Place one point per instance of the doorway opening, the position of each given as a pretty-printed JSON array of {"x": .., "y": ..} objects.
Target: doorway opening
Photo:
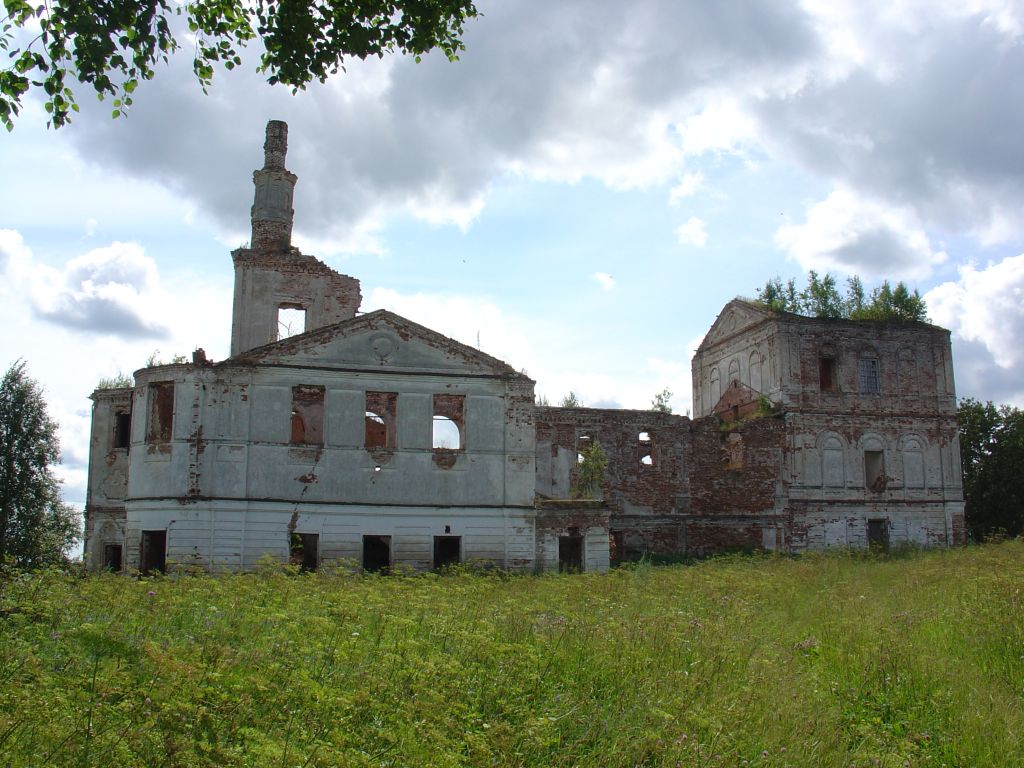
[
  {"x": 447, "y": 550},
  {"x": 570, "y": 554},
  {"x": 154, "y": 552},
  {"x": 376, "y": 553},
  {"x": 304, "y": 551}
]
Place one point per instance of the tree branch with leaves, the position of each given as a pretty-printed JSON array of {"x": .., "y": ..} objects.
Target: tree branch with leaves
[{"x": 111, "y": 46}]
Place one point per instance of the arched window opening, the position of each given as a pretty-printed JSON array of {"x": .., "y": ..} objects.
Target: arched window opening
[{"x": 447, "y": 435}]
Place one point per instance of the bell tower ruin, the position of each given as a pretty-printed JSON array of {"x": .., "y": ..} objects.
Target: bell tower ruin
[{"x": 272, "y": 275}]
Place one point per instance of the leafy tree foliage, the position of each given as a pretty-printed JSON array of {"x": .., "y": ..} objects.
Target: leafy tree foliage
[
  {"x": 36, "y": 529},
  {"x": 992, "y": 452},
  {"x": 590, "y": 471},
  {"x": 113, "y": 45},
  {"x": 570, "y": 401},
  {"x": 821, "y": 298},
  {"x": 660, "y": 401}
]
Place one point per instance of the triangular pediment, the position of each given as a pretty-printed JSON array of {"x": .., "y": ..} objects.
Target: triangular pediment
[
  {"x": 379, "y": 340},
  {"x": 736, "y": 316}
]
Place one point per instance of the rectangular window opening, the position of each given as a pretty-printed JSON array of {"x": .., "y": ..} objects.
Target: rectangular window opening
[
  {"x": 827, "y": 374},
  {"x": 874, "y": 470},
  {"x": 570, "y": 554},
  {"x": 291, "y": 320},
  {"x": 112, "y": 558},
  {"x": 153, "y": 557},
  {"x": 122, "y": 429},
  {"x": 161, "y": 412},
  {"x": 376, "y": 553},
  {"x": 307, "y": 415},
  {"x": 304, "y": 550},
  {"x": 867, "y": 370},
  {"x": 447, "y": 551}
]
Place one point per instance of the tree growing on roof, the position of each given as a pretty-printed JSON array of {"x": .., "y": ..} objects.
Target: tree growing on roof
[
  {"x": 821, "y": 298},
  {"x": 36, "y": 528}
]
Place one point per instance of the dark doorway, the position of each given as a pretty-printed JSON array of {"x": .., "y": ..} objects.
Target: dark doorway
[
  {"x": 305, "y": 551},
  {"x": 447, "y": 550},
  {"x": 154, "y": 552},
  {"x": 376, "y": 553},
  {"x": 112, "y": 557},
  {"x": 570, "y": 554},
  {"x": 878, "y": 534}
]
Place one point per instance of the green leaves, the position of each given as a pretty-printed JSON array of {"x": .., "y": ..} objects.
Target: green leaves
[
  {"x": 821, "y": 298},
  {"x": 112, "y": 45}
]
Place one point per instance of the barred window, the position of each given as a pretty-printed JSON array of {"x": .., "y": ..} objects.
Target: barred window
[{"x": 868, "y": 376}]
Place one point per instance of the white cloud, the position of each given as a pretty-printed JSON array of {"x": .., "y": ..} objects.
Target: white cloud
[
  {"x": 607, "y": 281},
  {"x": 686, "y": 187},
  {"x": 986, "y": 306},
  {"x": 692, "y": 233},
  {"x": 851, "y": 234},
  {"x": 115, "y": 281}
]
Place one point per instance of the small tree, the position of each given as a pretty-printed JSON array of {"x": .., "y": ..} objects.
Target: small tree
[
  {"x": 570, "y": 401},
  {"x": 821, "y": 298},
  {"x": 36, "y": 528},
  {"x": 590, "y": 471},
  {"x": 660, "y": 401}
]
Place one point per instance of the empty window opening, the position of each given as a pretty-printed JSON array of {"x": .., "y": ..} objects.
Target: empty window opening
[
  {"x": 304, "y": 550},
  {"x": 647, "y": 460},
  {"x": 161, "y": 411},
  {"x": 448, "y": 422},
  {"x": 122, "y": 429},
  {"x": 112, "y": 555},
  {"x": 447, "y": 550},
  {"x": 307, "y": 415},
  {"x": 827, "y": 374},
  {"x": 446, "y": 434},
  {"x": 878, "y": 533},
  {"x": 867, "y": 376},
  {"x": 874, "y": 470},
  {"x": 376, "y": 553},
  {"x": 579, "y": 458},
  {"x": 644, "y": 437},
  {"x": 291, "y": 320},
  {"x": 570, "y": 554},
  {"x": 381, "y": 417},
  {"x": 153, "y": 557}
]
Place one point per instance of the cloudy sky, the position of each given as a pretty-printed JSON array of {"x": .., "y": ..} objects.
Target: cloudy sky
[{"x": 581, "y": 193}]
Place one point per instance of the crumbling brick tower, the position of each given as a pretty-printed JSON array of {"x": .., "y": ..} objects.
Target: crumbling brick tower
[{"x": 271, "y": 274}]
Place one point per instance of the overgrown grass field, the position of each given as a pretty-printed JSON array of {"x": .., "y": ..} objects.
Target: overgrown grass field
[{"x": 830, "y": 660}]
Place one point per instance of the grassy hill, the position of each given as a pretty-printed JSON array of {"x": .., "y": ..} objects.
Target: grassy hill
[{"x": 830, "y": 660}]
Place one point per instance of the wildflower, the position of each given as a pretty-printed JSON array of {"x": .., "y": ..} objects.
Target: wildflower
[{"x": 151, "y": 593}]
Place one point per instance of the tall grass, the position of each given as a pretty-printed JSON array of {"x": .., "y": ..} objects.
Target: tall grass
[{"x": 830, "y": 660}]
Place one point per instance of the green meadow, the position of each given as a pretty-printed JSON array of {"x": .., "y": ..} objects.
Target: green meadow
[{"x": 844, "y": 659}]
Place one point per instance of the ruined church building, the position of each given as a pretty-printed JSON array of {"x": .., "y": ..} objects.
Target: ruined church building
[{"x": 370, "y": 439}]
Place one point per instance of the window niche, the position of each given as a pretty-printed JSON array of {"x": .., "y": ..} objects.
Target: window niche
[
  {"x": 827, "y": 374},
  {"x": 381, "y": 419},
  {"x": 291, "y": 320},
  {"x": 161, "y": 412},
  {"x": 874, "y": 470},
  {"x": 448, "y": 429},
  {"x": 307, "y": 415},
  {"x": 122, "y": 430}
]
